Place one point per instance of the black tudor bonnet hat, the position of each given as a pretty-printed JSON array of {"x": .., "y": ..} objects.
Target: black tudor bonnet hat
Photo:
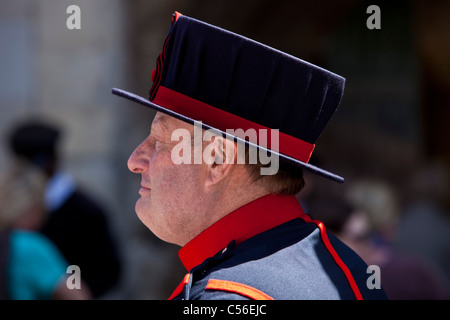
[{"x": 227, "y": 81}]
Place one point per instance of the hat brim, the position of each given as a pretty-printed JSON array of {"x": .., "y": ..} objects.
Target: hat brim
[{"x": 148, "y": 103}]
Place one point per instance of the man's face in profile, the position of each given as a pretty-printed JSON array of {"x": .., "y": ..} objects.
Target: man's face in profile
[{"x": 170, "y": 193}]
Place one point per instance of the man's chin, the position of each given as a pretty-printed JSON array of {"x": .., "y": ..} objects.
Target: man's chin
[
  {"x": 142, "y": 207},
  {"x": 147, "y": 217}
]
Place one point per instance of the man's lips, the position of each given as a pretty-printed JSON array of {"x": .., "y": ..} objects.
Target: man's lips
[{"x": 144, "y": 190}]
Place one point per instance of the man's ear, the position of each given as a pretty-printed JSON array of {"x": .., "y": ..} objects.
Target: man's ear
[{"x": 220, "y": 156}]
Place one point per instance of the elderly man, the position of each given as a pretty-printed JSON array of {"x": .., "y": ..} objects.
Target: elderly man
[{"x": 243, "y": 233}]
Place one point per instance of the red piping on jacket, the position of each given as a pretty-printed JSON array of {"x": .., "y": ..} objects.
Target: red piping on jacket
[{"x": 335, "y": 256}]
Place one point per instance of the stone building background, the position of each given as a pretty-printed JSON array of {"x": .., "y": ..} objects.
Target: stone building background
[{"x": 392, "y": 120}]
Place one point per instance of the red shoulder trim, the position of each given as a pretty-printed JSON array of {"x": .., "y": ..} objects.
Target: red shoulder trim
[
  {"x": 180, "y": 287},
  {"x": 238, "y": 288},
  {"x": 335, "y": 256}
]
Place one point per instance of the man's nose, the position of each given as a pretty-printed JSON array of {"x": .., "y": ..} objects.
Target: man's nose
[{"x": 138, "y": 161}]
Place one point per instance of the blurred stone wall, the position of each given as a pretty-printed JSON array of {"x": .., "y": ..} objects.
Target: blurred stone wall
[{"x": 65, "y": 77}]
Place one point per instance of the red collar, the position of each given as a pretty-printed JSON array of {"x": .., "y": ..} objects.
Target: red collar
[{"x": 251, "y": 219}]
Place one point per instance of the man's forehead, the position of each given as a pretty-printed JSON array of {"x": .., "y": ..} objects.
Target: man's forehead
[{"x": 167, "y": 122}]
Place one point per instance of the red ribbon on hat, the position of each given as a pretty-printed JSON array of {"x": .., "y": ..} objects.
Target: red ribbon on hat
[{"x": 223, "y": 120}]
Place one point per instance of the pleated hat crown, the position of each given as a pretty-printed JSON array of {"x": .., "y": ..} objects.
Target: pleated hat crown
[{"x": 248, "y": 79}]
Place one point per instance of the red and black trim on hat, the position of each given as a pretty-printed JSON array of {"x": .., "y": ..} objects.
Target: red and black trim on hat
[
  {"x": 157, "y": 73},
  {"x": 224, "y": 121},
  {"x": 289, "y": 159}
]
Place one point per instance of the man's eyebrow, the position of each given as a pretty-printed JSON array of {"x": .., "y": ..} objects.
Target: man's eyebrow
[
  {"x": 160, "y": 124},
  {"x": 160, "y": 119}
]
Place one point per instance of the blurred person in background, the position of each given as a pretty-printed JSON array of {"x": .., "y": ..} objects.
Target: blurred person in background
[
  {"x": 406, "y": 276},
  {"x": 75, "y": 223},
  {"x": 366, "y": 221},
  {"x": 31, "y": 267},
  {"x": 424, "y": 226}
]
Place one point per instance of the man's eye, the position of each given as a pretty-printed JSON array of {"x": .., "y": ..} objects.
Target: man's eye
[{"x": 159, "y": 144}]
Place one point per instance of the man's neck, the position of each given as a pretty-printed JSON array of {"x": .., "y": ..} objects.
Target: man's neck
[
  {"x": 232, "y": 202},
  {"x": 226, "y": 200}
]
